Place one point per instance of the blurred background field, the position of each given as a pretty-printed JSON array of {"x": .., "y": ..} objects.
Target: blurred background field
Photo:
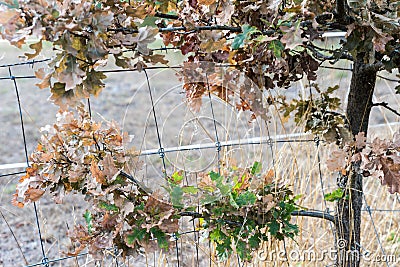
[{"x": 126, "y": 101}]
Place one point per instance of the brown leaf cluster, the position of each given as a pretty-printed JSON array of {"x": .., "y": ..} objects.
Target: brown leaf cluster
[
  {"x": 378, "y": 159},
  {"x": 72, "y": 152},
  {"x": 84, "y": 35},
  {"x": 229, "y": 85},
  {"x": 77, "y": 154},
  {"x": 381, "y": 159}
]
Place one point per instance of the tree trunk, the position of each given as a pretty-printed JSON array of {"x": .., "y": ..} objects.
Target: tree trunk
[{"x": 349, "y": 208}]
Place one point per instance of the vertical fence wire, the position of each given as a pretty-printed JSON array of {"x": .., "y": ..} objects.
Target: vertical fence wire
[
  {"x": 217, "y": 144},
  {"x": 321, "y": 181},
  {"x": 196, "y": 233},
  {"x": 271, "y": 148},
  {"x": 375, "y": 230},
  {"x": 196, "y": 242},
  {"x": 44, "y": 259},
  {"x": 176, "y": 248},
  {"x": 161, "y": 152}
]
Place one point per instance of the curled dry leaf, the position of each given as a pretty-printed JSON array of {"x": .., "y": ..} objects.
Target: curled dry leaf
[
  {"x": 33, "y": 194},
  {"x": 207, "y": 184},
  {"x": 269, "y": 203},
  {"x": 97, "y": 173},
  {"x": 79, "y": 235},
  {"x": 337, "y": 161},
  {"x": 206, "y": 2},
  {"x": 110, "y": 170},
  {"x": 100, "y": 243},
  {"x": 145, "y": 37},
  {"x": 379, "y": 146},
  {"x": 391, "y": 175},
  {"x": 360, "y": 140},
  {"x": 268, "y": 178}
]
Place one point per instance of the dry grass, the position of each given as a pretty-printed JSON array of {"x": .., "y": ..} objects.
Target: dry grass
[{"x": 126, "y": 101}]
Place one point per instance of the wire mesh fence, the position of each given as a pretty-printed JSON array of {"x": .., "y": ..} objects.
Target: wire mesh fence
[{"x": 170, "y": 136}]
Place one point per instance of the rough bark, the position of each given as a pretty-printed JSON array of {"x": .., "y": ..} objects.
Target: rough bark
[
  {"x": 349, "y": 208},
  {"x": 341, "y": 14}
]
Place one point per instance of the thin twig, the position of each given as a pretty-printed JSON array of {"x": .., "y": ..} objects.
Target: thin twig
[
  {"x": 387, "y": 79},
  {"x": 315, "y": 214},
  {"x": 386, "y": 105},
  {"x": 165, "y": 16},
  {"x": 378, "y": 66},
  {"x": 336, "y": 68},
  {"x": 137, "y": 183},
  {"x": 206, "y": 216},
  {"x": 314, "y": 49}
]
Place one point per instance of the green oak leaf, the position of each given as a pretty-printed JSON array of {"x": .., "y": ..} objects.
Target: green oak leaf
[
  {"x": 240, "y": 39},
  {"x": 88, "y": 219}
]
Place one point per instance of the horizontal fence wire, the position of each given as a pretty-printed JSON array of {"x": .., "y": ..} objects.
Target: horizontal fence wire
[
  {"x": 156, "y": 151},
  {"x": 12, "y": 173},
  {"x": 31, "y": 63},
  {"x": 290, "y": 138},
  {"x": 57, "y": 260}
]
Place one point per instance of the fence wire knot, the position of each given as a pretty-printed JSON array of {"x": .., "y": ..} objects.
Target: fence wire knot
[
  {"x": 317, "y": 140},
  {"x": 269, "y": 142},
  {"x": 175, "y": 237},
  {"x": 161, "y": 152},
  {"x": 327, "y": 210},
  {"x": 368, "y": 209},
  {"x": 218, "y": 146},
  {"x": 45, "y": 261}
]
